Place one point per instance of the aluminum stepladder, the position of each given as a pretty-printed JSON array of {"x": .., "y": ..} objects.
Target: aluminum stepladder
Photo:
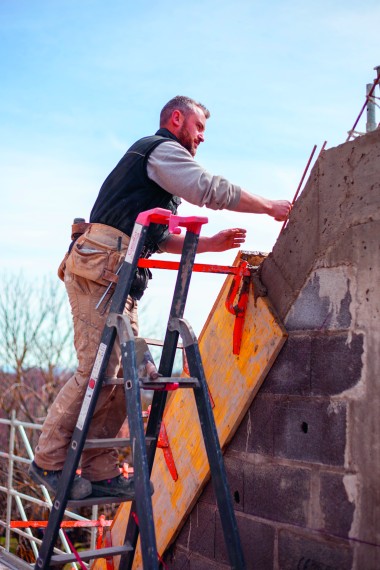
[{"x": 144, "y": 444}]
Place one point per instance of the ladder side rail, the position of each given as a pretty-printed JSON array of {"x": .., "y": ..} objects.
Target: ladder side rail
[
  {"x": 213, "y": 449},
  {"x": 177, "y": 310},
  {"x": 140, "y": 461},
  {"x": 165, "y": 369},
  {"x": 75, "y": 449},
  {"x": 91, "y": 396}
]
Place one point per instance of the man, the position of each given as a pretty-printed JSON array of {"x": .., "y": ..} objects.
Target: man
[{"x": 157, "y": 171}]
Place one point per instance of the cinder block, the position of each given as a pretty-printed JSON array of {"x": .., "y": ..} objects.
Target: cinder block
[
  {"x": 338, "y": 511},
  {"x": 257, "y": 542},
  {"x": 276, "y": 492},
  {"x": 255, "y": 433},
  {"x": 235, "y": 476},
  {"x": 200, "y": 563},
  {"x": 208, "y": 495},
  {"x": 309, "y": 553},
  {"x": 235, "y": 479},
  {"x": 367, "y": 556},
  {"x": 198, "y": 533},
  {"x": 310, "y": 430},
  {"x": 178, "y": 558},
  {"x": 290, "y": 374},
  {"x": 336, "y": 362}
]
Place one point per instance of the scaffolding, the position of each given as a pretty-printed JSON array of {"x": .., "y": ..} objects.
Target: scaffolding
[{"x": 17, "y": 427}]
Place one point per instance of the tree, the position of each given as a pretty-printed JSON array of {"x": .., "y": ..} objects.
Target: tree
[
  {"x": 35, "y": 344},
  {"x": 36, "y": 358}
]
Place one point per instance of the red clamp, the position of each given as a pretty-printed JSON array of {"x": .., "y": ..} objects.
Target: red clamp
[
  {"x": 163, "y": 443},
  {"x": 239, "y": 286}
]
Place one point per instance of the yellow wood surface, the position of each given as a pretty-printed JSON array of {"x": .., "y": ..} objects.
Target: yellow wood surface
[{"x": 233, "y": 382}]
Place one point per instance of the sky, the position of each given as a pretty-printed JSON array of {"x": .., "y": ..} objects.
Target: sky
[{"x": 81, "y": 80}]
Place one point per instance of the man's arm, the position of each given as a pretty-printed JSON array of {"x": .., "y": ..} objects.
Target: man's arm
[
  {"x": 253, "y": 204},
  {"x": 173, "y": 168},
  {"x": 226, "y": 239}
]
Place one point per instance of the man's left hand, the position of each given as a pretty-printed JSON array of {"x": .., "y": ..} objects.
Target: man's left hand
[{"x": 227, "y": 239}]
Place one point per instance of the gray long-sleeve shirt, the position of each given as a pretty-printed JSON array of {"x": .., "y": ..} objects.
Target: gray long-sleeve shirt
[{"x": 173, "y": 168}]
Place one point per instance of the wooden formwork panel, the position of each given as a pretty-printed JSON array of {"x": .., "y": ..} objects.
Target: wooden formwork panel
[{"x": 233, "y": 383}]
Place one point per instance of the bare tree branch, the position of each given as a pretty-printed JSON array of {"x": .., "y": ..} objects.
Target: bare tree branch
[{"x": 36, "y": 349}]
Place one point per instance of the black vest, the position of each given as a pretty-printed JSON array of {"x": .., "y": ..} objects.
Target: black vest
[{"x": 127, "y": 191}]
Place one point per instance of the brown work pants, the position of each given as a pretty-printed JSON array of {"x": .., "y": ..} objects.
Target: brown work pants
[{"x": 110, "y": 411}]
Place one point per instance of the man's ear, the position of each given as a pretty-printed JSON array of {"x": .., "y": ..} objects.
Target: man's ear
[{"x": 177, "y": 118}]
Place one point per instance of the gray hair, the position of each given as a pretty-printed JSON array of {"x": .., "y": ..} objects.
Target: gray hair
[{"x": 183, "y": 104}]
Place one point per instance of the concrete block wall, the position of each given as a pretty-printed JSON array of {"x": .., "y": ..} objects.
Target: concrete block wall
[{"x": 304, "y": 465}]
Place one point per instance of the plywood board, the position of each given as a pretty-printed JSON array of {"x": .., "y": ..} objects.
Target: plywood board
[{"x": 233, "y": 382}]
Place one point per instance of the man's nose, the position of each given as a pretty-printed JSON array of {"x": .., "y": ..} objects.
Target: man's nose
[{"x": 201, "y": 137}]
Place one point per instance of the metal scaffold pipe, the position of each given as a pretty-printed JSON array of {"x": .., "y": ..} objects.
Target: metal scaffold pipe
[{"x": 371, "y": 110}]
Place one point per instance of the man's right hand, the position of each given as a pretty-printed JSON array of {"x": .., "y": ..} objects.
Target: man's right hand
[{"x": 280, "y": 209}]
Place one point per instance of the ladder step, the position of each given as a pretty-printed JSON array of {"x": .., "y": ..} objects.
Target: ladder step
[
  {"x": 85, "y": 555},
  {"x": 92, "y": 501},
  {"x": 111, "y": 442},
  {"x": 171, "y": 383},
  {"x": 168, "y": 383}
]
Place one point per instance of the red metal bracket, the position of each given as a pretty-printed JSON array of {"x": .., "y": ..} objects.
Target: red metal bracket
[
  {"x": 239, "y": 287},
  {"x": 163, "y": 443},
  {"x": 240, "y": 269}
]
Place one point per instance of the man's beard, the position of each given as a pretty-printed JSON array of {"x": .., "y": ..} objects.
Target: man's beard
[{"x": 186, "y": 140}]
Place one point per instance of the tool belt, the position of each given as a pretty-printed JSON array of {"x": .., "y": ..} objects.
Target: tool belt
[{"x": 96, "y": 253}]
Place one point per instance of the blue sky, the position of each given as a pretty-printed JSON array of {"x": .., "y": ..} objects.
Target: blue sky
[{"x": 83, "y": 79}]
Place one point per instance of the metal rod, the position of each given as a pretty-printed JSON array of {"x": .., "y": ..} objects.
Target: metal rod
[
  {"x": 10, "y": 480},
  {"x": 20, "y": 507},
  {"x": 301, "y": 182},
  {"x": 198, "y": 267},
  {"x": 20, "y": 423},
  {"x": 371, "y": 111},
  {"x": 11, "y": 492},
  {"x": 369, "y": 94}
]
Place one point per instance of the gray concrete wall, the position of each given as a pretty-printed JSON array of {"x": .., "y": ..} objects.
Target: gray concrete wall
[{"x": 304, "y": 466}]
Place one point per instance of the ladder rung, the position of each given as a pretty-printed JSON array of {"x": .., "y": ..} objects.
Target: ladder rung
[
  {"x": 59, "y": 559},
  {"x": 157, "y": 342},
  {"x": 170, "y": 383},
  {"x": 156, "y": 384},
  {"x": 92, "y": 501},
  {"x": 111, "y": 442}
]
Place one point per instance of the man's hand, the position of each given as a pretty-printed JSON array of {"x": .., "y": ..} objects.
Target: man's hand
[
  {"x": 253, "y": 204},
  {"x": 280, "y": 209},
  {"x": 226, "y": 239}
]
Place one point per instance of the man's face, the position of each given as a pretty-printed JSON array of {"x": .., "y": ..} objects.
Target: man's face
[{"x": 191, "y": 133}]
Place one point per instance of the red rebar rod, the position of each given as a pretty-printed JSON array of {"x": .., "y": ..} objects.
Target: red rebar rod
[
  {"x": 369, "y": 95},
  {"x": 301, "y": 182}
]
